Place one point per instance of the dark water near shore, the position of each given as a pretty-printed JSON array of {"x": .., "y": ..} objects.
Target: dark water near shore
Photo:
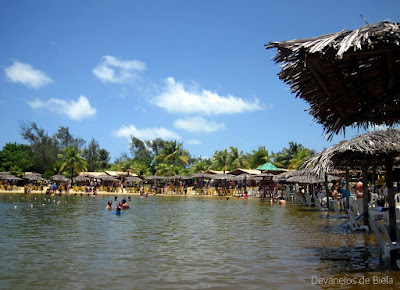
[{"x": 180, "y": 243}]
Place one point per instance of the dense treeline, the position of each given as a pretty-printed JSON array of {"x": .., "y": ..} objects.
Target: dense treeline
[{"x": 62, "y": 152}]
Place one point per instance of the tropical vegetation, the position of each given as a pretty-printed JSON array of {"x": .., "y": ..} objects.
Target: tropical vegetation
[{"x": 64, "y": 153}]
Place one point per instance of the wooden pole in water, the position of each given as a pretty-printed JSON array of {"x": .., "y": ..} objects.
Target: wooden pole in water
[
  {"x": 327, "y": 190},
  {"x": 347, "y": 188},
  {"x": 364, "y": 170},
  {"x": 392, "y": 215}
]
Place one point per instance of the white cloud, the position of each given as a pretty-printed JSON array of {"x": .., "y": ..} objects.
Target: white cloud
[
  {"x": 198, "y": 124},
  {"x": 114, "y": 70},
  {"x": 76, "y": 110},
  {"x": 176, "y": 99},
  {"x": 25, "y": 74},
  {"x": 147, "y": 133},
  {"x": 193, "y": 142}
]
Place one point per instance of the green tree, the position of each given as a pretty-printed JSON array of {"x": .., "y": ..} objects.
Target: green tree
[
  {"x": 45, "y": 148},
  {"x": 221, "y": 160},
  {"x": 64, "y": 139},
  {"x": 173, "y": 153},
  {"x": 300, "y": 157},
  {"x": 139, "y": 151},
  {"x": 104, "y": 158},
  {"x": 92, "y": 155},
  {"x": 16, "y": 158},
  {"x": 259, "y": 157},
  {"x": 237, "y": 159},
  {"x": 200, "y": 165},
  {"x": 156, "y": 145},
  {"x": 73, "y": 161}
]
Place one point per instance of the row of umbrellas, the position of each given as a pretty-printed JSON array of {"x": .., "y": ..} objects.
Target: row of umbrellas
[{"x": 106, "y": 177}]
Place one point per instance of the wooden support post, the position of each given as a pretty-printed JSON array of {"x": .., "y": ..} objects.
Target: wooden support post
[
  {"x": 364, "y": 170},
  {"x": 327, "y": 190},
  {"x": 347, "y": 188},
  {"x": 392, "y": 215}
]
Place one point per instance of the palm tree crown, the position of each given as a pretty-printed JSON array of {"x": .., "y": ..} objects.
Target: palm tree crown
[{"x": 72, "y": 160}]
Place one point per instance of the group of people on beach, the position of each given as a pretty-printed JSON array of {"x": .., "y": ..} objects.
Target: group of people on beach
[{"x": 123, "y": 204}]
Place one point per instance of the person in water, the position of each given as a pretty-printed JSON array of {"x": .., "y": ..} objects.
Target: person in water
[
  {"x": 124, "y": 204},
  {"x": 109, "y": 205}
]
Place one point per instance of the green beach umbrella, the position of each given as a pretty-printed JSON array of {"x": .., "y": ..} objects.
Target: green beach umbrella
[{"x": 268, "y": 167}]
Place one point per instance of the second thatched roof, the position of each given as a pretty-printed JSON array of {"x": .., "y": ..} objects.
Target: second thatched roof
[{"x": 369, "y": 149}]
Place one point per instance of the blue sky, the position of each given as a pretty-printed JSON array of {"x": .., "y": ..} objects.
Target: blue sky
[{"x": 194, "y": 71}]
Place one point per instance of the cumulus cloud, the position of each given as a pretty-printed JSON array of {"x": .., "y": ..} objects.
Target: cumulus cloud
[
  {"x": 146, "y": 133},
  {"x": 177, "y": 99},
  {"x": 114, "y": 70},
  {"x": 25, "y": 74},
  {"x": 198, "y": 125},
  {"x": 75, "y": 110}
]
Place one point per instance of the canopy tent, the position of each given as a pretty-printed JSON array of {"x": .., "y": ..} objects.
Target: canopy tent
[
  {"x": 348, "y": 77},
  {"x": 269, "y": 167}
]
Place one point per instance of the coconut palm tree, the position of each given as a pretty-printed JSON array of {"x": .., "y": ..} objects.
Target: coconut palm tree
[
  {"x": 300, "y": 157},
  {"x": 221, "y": 160},
  {"x": 200, "y": 165},
  {"x": 165, "y": 169},
  {"x": 259, "y": 157},
  {"x": 72, "y": 160},
  {"x": 173, "y": 153},
  {"x": 237, "y": 159}
]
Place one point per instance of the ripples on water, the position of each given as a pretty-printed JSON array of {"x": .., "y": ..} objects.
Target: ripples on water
[{"x": 176, "y": 242}]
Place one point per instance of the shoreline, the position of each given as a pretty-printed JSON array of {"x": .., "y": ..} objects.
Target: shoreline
[{"x": 105, "y": 193}]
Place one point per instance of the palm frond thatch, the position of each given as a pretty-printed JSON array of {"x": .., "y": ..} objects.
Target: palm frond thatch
[
  {"x": 369, "y": 149},
  {"x": 348, "y": 77}
]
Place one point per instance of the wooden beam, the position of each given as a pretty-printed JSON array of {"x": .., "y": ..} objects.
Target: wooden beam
[{"x": 312, "y": 66}]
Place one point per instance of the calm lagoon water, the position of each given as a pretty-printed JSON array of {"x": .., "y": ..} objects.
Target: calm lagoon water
[{"x": 180, "y": 243}]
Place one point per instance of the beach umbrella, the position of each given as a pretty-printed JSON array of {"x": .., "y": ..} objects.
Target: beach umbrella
[
  {"x": 106, "y": 177},
  {"x": 32, "y": 176},
  {"x": 349, "y": 78},
  {"x": 81, "y": 178},
  {"x": 9, "y": 177},
  {"x": 268, "y": 167},
  {"x": 59, "y": 178},
  {"x": 132, "y": 178}
]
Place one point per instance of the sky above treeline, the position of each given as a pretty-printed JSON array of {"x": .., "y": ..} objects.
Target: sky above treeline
[{"x": 192, "y": 71}]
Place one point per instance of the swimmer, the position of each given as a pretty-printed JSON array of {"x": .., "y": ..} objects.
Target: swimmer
[
  {"x": 129, "y": 198},
  {"x": 282, "y": 202},
  {"x": 109, "y": 205},
  {"x": 124, "y": 204},
  {"x": 116, "y": 198}
]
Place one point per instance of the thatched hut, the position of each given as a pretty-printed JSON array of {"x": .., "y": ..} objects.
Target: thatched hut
[
  {"x": 370, "y": 149},
  {"x": 348, "y": 78}
]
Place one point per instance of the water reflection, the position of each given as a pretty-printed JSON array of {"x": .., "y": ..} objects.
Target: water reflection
[{"x": 176, "y": 242}]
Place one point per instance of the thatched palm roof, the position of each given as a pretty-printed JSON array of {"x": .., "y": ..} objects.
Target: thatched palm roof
[
  {"x": 202, "y": 175},
  {"x": 369, "y": 149},
  {"x": 348, "y": 77},
  {"x": 132, "y": 178},
  {"x": 59, "y": 178}
]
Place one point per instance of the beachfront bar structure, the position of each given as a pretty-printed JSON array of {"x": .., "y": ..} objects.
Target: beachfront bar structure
[{"x": 349, "y": 78}]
